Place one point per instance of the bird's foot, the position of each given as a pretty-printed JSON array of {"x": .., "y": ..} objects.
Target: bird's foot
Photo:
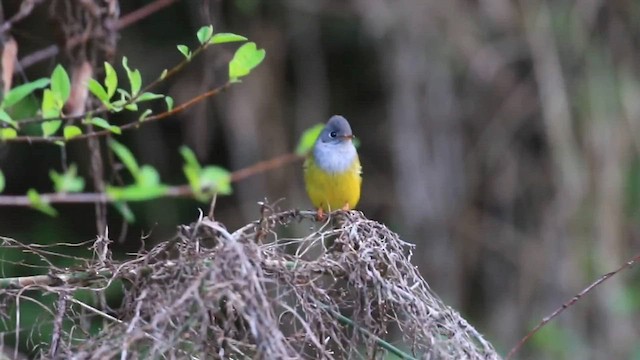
[
  {"x": 320, "y": 215},
  {"x": 346, "y": 207}
]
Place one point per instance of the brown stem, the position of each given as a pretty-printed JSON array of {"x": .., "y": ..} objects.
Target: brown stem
[
  {"x": 264, "y": 166},
  {"x": 143, "y": 12},
  {"x": 570, "y": 302},
  {"x": 129, "y": 126},
  {"x": 123, "y": 22},
  {"x": 25, "y": 10},
  {"x": 173, "y": 191}
]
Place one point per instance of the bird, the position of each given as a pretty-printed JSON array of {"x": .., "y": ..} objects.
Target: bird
[{"x": 332, "y": 171}]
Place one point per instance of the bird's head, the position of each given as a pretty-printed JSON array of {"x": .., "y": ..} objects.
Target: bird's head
[{"x": 337, "y": 131}]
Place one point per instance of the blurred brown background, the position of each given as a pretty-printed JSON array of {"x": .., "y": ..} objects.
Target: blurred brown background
[{"x": 501, "y": 137}]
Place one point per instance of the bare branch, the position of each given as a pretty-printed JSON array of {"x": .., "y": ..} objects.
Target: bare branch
[
  {"x": 125, "y": 21},
  {"x": 25, "y": 10},
  {"x": 242, "y": 294},
  {"x": 129, "y": 126},
  {"x": 569, "y": 303}
]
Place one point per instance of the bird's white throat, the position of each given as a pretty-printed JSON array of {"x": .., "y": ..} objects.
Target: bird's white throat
[{"x": 334, "y": 158}]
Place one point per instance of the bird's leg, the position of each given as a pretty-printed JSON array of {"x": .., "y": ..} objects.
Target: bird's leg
[
  {"x": 346, "y": 207},
  {"x": 319, "y": 214}
]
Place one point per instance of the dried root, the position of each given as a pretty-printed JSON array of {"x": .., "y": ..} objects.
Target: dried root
[{"x": 345, "y": 291}]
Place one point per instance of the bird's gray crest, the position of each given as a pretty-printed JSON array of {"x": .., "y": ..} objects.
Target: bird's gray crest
[{"x": 337, "y": 126}]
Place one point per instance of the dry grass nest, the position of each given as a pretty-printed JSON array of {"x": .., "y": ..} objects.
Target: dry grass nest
[{"x": 346, "y": 290}]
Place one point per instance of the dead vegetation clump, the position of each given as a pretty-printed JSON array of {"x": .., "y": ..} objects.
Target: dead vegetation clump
[{"x": 347, "y": 290}]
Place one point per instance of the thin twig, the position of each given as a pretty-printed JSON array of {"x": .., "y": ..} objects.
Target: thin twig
[
  {"x": 88, "y": 198},
  {"x": 382, "y": 343},
  {"x": 57, "y": 324},
  {"x": 22, "y": 282},
  {"x": 111, "y": 318},
  {"x": 264, "y": 166},
  {"x": 178, "y": 191},
  {"x": 125, "y": 21},
  {"x": 103, "y": 109},
  {"x": 129, "y": 126},
  {"x": 569, "y": 303},
  {"x": 25, "y": 10},
  {"x": 142, "y": 13}
]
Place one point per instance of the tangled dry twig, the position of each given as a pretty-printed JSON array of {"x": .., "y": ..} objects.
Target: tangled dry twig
[{"x": 346, "y": 290}]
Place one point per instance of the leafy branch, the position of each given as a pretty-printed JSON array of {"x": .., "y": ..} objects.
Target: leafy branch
[
  {"x": 111, "y": 129},
  {"x": 115, "y": 99},
  {"x": 203, "y": 181},
  {"x": 58, "y": 128}
]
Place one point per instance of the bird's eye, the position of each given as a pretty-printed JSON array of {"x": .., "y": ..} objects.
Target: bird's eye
[{"x": 333, "y": 134}]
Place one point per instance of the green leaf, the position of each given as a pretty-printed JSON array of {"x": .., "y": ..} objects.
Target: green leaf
[
  {"x": 135, "y": 78},
  {"x": 148, "y": 176},
  {"x": 5, "y": 118},
  {"x": 192, "y": 169},
  {"x": 118, "y": 104},
  {"x": 169, "y": 101},
  {"x": 308, "y": 139},
  {"x": 60, "y": 85},
  {"x": 126, "y": 157},
  {"x": 21, "y": 91},
  {"x": 39, "y": 204},
  {"x": 204, "y": 181},
  {"x": 136, "y": 192},
  {"x": 102, "y": 123},
  {"x": 125, "y": 64},
  {"x": 26, "y": 108},
  {"x": 216, "y": 179},
  {"x": 193, "y": 177},
  {"x": 124, "y": 95},
  {"x": 131, "y": 107},
  {"x": 190, "y": 158},
  {"x": 184, "y": 49},
  {"x": 204, "y": 34},
  {"x": 50, "y": 108},
  {"x": 2, "y": 181},
  {"x": 8, "y": 133},
  {"x": 71, "y": 131},
  {"x": 50, "y": 127},
  {"x": 148, "y": 96},
  {"x": 110, "y": 79},
  {"x": 246, "y": 58},
  {"x": 98, "y": 91},
  {"x": 67, "y": 182},
  {"x": 226, "y": 38},
  {"x": 145, "y": 114},
  {"x": 125, "y": 211}
]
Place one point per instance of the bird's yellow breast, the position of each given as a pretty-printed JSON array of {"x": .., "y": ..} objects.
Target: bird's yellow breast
[{"x": 333, "y": 190}]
